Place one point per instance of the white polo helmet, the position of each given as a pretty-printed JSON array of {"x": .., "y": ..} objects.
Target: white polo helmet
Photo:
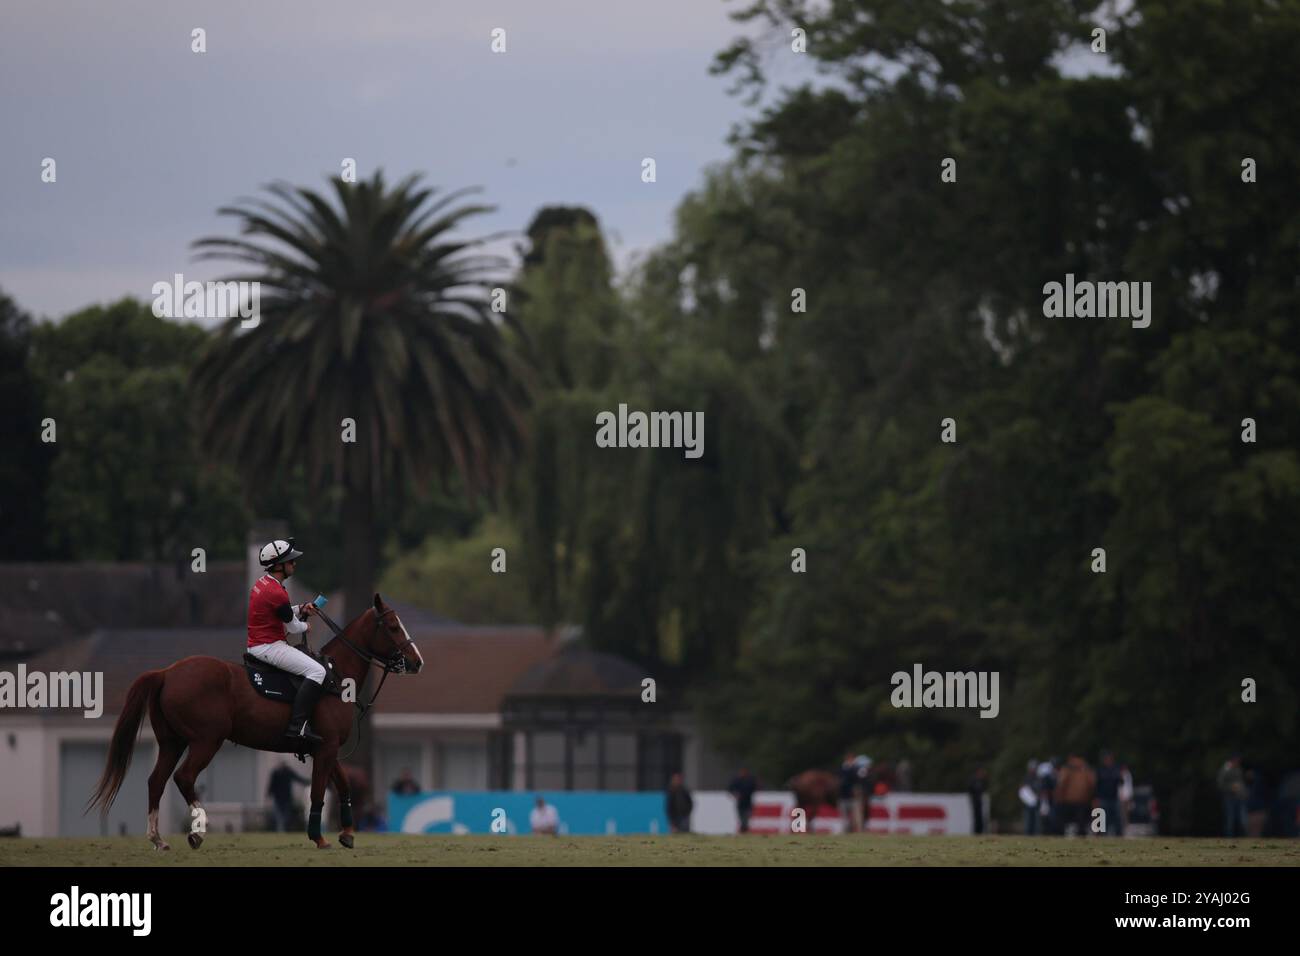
[{"x": 277, "y": 552}]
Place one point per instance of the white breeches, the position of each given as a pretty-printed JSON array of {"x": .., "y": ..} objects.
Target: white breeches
[{"x": 280, "y": 654}]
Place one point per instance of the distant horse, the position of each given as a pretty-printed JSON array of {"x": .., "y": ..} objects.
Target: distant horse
[
  {"x": 199, "y": 702},
  {"x": 811, "y": 789}
]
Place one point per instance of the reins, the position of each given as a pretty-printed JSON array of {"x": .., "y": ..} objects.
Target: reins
[{"x": 394, "y": 663}]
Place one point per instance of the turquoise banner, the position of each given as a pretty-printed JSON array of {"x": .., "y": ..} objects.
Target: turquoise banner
[{"x": 506, "y": 811}]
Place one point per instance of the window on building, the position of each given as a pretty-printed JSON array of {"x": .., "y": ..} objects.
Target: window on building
[
  {"x": 586, "y": 759},
  {"x": 547, "y": 761},
  {"x": 620, "y": 761},
  {"x": 660, "y": 757},
  {"x": 500, "y": 760}
]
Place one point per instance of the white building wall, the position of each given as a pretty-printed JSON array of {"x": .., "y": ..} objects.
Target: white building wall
[
  {"x": 32, "y": 789},
  {"x": 22, "y": 777},
  {"x": 442, "y": 751}
]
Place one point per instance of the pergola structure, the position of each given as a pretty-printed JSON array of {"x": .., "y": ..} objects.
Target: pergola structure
[{"x": 577, "y": 721}]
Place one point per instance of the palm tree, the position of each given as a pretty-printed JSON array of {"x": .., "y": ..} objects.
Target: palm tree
[{"x": 370, "y": 312}]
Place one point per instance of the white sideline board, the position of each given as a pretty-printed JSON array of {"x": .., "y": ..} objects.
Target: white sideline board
[{"x": 946, "y": 814}]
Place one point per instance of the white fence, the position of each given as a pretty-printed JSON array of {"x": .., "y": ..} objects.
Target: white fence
[{"x": 915, "y": 813}]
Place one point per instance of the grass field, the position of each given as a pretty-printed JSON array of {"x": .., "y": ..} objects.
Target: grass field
[{"x": 374, "y": 849}]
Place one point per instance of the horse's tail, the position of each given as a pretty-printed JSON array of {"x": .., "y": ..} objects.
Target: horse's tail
[{"x": 145, "y": 688}]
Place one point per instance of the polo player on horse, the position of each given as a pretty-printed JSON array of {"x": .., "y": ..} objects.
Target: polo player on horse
[
  {"x": 198, "y": 703},
  {"x": 271, "y": 619}
]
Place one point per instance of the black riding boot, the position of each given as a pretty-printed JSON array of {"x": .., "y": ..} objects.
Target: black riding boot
[{"x": 304, "y": 705}]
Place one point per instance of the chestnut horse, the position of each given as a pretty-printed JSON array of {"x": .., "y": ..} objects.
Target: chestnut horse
[{"x": 199, "y": 702}]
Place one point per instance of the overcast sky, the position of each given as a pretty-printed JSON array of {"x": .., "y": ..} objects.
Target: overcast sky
[{"x": 150, "y": 138}]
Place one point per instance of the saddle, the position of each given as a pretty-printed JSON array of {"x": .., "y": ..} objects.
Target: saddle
[{"x": 275, "y": 684}]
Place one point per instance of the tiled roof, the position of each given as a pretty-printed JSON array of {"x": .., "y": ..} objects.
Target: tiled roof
[
  {"x": 579, "y": 672},
  {"x": 43, "y": 604},
  {"x": 467, "y": 670}
]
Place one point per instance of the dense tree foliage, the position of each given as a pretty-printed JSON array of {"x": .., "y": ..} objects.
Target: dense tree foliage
[
  {"x": 24, "y": 469},
  {"x": 128, "y": 480}
]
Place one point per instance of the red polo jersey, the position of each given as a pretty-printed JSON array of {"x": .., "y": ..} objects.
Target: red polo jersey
[{"x": 265, "y": 626}]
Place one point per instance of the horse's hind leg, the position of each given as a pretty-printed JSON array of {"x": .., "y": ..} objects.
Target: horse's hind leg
[
  {"x": 339, "y": 778},
  {"x": 200, "y": 755},
  {"x": 169, "y": 753},
  {"x": 170, "y": 748}
]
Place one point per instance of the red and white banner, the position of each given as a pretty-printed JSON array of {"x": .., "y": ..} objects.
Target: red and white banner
[{"x": 915, "y": 813}]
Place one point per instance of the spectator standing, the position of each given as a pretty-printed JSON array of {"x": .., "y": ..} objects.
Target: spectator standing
[
  {"x": 1125, "y": 794},
  {"x": 872, "y": 783},
  {"x": 544, "y": 818},
  {"x": 1232, "y": 788},
  {"x": 742, "y": 789},
  {"x": 1029, "y": 797},
  {"x": 1076, "y": 785},
  {"x": 903, "y": 773},
  {"x": 1256, "y": 803},
  {"x": 280, "y": 790},
  {"x": 979, "y": 784},
  {"x": 1109, "y": 781},
  {"x": 678, "y": 805},
  {"x": 1047, "y": 815},
  {"x": 852, "y": 791}
]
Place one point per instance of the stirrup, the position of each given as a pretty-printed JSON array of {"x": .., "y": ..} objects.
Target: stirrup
[{"x": 305, "y": 734}]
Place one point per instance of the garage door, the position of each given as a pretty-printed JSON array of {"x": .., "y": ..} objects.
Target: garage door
[{"x": 80, "y": 764}]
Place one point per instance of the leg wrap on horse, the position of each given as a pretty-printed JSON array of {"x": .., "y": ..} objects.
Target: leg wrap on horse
[
  {"x": 345, "y": 813},
  {"x": 313, "y": 821}
]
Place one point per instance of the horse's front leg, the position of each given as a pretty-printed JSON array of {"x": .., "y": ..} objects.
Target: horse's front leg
[
  {"x": 344, "y": 791},
  {"x": 322, "y": 767}
]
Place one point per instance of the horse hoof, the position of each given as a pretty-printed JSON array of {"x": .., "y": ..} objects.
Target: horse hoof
[
  {"x": 162, "y": 846},
  {"x": 346, "y": 840},
  {"x": 195, "y": 840},
  {"x": 322, "y": 844}
]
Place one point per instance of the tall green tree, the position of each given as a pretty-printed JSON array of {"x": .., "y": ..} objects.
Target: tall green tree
[
  {"x": 25, "y": 467},
  {"x": 373, "y": 312},
  {"x": 645, "y": 548},
  {"x": 128, "y": 482},
  {"x": 567, "y": 314}
]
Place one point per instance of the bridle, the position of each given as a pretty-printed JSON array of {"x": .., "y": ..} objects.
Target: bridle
[{"x": 394, "y": 663}]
